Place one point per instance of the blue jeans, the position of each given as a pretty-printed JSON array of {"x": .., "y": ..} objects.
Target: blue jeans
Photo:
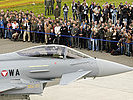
[
  {"x": 69, "y": 41},
  {"x": 74, "y": 15},
  {"x": 114, "y": 19},
  {"x": 6, "y": 34},
  {"x": 89, "y": 44},
  {"x": 9, "y": 34},
  {"x": 65, "y": 15},
  {"x": 128, "y": 49},
  {"x": 80, "y": 18},
  {"x": 93, "y": 17},
  {"x": 125, "y": 19},
  {"x": 95, "y": 44}
]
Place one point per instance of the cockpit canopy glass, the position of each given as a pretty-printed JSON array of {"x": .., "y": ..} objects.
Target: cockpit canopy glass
[{"x": 54, "y": 51}]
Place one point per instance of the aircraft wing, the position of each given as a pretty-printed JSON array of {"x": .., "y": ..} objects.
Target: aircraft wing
[
  {"x": 8, "y": 86},
  {"x": 5, "y": 87},
  {"x": 70, "y": 77},
  {"x": 15, "y": 85}
]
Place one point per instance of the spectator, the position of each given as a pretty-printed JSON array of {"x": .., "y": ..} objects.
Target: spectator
[
  {"x": 95, "y": 37},
  {"x": 48, "y": 28},
  {"x": 108, "y": 35},
  {"x": 56, "y": 12},
  {"x": 9, "y": 30},
  {"x": 89, "y": 36},
  {"x": 128, "y": 40},
  {"x": 132, "y": 44},
  {"x": 40, "y": 36},
  {"x": 47, "y": 4},
  {"x": 15, "y": 27},
  {"x": 65, "y": 10},
  {"x": 91, "y": 10},
  {"x": 74, "y": 10},
  {"x": 80, "y": 37},
  {"x": 33, "y": 30},
  {"x": 59, "y": 5},
  {"x": 114, "y": 37},
  {"x": 74, "y": 33},
  {"x": 114, "y": 14},
  {"x": 57, "y": 33},
  {"x": 64, "y": 31},
  {"x": 79, "y": 11},
  {"x": 27, "y": 26},
  {"x": 130, "y": 14},
  {"x": 85, "y": 12},
  {"x": 105, "y": 14},
  {"x": 125, "y": 13},
  {"x": 1, "y": 27},
  {"x": 96, "y": 12},
  {"x": 69, "y": 34},
  {"x": 5, "y": 26}
]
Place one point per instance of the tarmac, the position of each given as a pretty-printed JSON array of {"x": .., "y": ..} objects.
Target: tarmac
[{"x": 116, "y": 87}]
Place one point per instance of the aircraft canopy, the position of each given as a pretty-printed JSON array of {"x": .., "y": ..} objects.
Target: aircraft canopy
[{"x": 50, "y": 50}]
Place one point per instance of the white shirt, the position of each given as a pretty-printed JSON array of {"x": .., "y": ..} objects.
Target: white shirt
[
  {"x": 73, "y": 5},
  {"x": 96, "y": 11},
  {"x": 85, "y": 10},
  {"x": 66, "y": 8},
  {"x": 14, "y": 26},
  {"x": 28, "y": 26},
  {"x": 57, "y": 30}
]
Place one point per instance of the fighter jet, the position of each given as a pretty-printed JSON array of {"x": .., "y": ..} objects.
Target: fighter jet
[{"x": 26, "y": 72}]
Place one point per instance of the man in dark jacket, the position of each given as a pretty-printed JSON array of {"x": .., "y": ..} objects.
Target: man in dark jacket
[
  {"x": 33, "y": 29},
  {"x": 74, "y": 9},
  {"x": 65, "y": 10},
  {"x": 59, "y": 5},
  {"x": 1, "y": 27},
  {"x": 85, "y": 12},
  {"x": 47, "y": 4},
  {"x": 105, "y": 14},
  {"x": 40, "y": 36},
  {"x": 125, "y": 13},
  {"x": 5, "y": 26},
  {"x": 64, "y": 31},
  {"x": 69, "y": 43},
  {"x": 74, "y": 33},
  {"x": 79, "y": 11},
  {"x": 91, "y": 10},
  {"x": 56, "y": 12},
  {"x": 52, "y": 6}
]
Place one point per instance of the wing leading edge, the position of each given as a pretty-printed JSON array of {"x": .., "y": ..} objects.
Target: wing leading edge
[{"x": 70, "y": 77}]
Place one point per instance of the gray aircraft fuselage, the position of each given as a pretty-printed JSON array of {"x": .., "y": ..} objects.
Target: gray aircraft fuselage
[{"x": 51, "y": 68}]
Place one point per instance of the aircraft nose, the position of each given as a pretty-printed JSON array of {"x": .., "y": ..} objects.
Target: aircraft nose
[{"x": 110, "y": 68}]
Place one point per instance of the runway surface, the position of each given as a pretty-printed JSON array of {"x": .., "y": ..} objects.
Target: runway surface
[{"x": 116, "y": 87}]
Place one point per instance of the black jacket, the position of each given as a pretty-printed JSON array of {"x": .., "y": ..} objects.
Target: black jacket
[
  {"x": 125, "y": 12},
  {"x": 74, "y": 7},
  {"x": 85, "y": 9},
  {"x": 64, "y": 30}
]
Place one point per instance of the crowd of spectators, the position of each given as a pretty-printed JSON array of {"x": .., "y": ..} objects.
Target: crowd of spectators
[{"x": 107, "y": 28}]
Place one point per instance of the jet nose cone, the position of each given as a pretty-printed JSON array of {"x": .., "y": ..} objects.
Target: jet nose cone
[{"x": 110, "y": 68}]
